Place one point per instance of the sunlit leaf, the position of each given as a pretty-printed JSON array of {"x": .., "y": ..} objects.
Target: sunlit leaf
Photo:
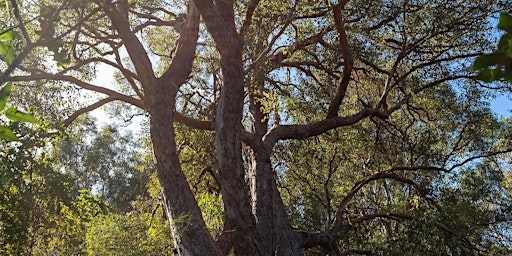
[
  {"x": 19, "y": 116},
  {"x": 6, "y": 48},
  {"x": 8, "y": 56},
  {"x": 7, "y": 134},
  {"x": 4, "y": 95},
  {"x": 8, "y": 35}
]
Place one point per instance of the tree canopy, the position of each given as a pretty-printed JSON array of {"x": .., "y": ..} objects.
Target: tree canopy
[{"x": 275, "y": 127}]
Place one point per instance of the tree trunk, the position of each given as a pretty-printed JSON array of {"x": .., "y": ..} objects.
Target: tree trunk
[
  {"x": 228, "y": 128},
  {"x": 191, "y": 237},
  {"x": 288, "y": 241},
  {"x": 262, "y": 197},
  {"x": 272, "y": 221}
]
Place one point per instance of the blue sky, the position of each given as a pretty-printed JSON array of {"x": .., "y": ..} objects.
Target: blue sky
[{"x": 502, "y": 106}]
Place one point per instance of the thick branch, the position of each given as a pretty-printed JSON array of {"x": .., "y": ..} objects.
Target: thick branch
[
  {"x": 181, "y": 66},
  {"x": 248, "y": 17},
  {"x": 222, "y": 31},
  {"x": 347, "y": 60},
  {"x": 134, "y": 47},
  {"x": 310, "y": 240},
  {"x": 192, "y": 122},
  {"x": 286, "y": 132}
]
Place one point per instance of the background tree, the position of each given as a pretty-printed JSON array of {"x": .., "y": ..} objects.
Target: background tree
[{"x": 380, "y": 101}]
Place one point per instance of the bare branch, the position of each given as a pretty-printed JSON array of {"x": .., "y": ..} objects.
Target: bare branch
[
  {"x": 391, "y": 216},
  {"x": 134, "y": 47},
  {"x": 338, "y": 219},
  {"x": 248, "y": 17},
  {"x": 87, "y": 109},
  {"x": 82, "y": 84},
  {"x": 20, "y": 21},
  {"x": 417, "y": 168},
  {"x": 473, "y": 158},
  {"x": 191, "y": 122}
]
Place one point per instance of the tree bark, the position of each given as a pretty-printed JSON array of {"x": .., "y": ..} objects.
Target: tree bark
[
  {"x": 238, "y": 216},
  {"x": 272, "y": 220},
  {"x": 288, "y": 241},
  {"x": 262, "y": 197},
  {"x": 191, "y": 236}
]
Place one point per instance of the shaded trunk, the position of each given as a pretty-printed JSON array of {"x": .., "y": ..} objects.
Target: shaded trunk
[
  {"x": 262, "y": 197},
  {"x": 191, "y": 237},
  {"x": 237, "y": 211},
  {"x": 272, "y": 220},
  {"x": 288, "y": 241}
]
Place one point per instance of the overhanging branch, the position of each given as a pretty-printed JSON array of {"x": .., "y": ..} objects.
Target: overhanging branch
[
  {"x": 286, "y": 132},
  {"x": 181, "y": 65},
  {"x": 87, "y": 109},
  {"x": 248, "y": 17},
  {"x": 82, "y": 84}
]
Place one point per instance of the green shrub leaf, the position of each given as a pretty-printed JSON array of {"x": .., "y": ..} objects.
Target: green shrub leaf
[{"x": 19, "y": 116}]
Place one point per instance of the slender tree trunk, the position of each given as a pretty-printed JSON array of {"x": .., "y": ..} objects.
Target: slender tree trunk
[{"x": 191, "y": 237}]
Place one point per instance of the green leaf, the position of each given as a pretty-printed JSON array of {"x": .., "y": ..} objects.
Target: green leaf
[
  {"x": 6, "y": 47},
  {"x": 8, "y": 35},
  {"x": 8, "y": 56},
  {"x": 505, "y": 43},
  {"x": 488, "y": 75},
  {"x": 486, "y": 60},
  {"x": 7, "y": 134},
  {"x": 6, "y": 52},
  {"x": 507, "y": 74},
  {"x": 505, "y": 22},
  {"x": 4, "y": 94},
  {"x": 18, "y": 116},
  {"x": 62, "y": 58}
]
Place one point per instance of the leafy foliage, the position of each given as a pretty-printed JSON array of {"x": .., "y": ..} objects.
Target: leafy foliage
[
  {"x": 498, "y": 65},
  {"x": 289, "y": 127}
]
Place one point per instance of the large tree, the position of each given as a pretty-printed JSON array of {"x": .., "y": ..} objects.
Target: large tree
[{"x": 376, "y": 82}]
